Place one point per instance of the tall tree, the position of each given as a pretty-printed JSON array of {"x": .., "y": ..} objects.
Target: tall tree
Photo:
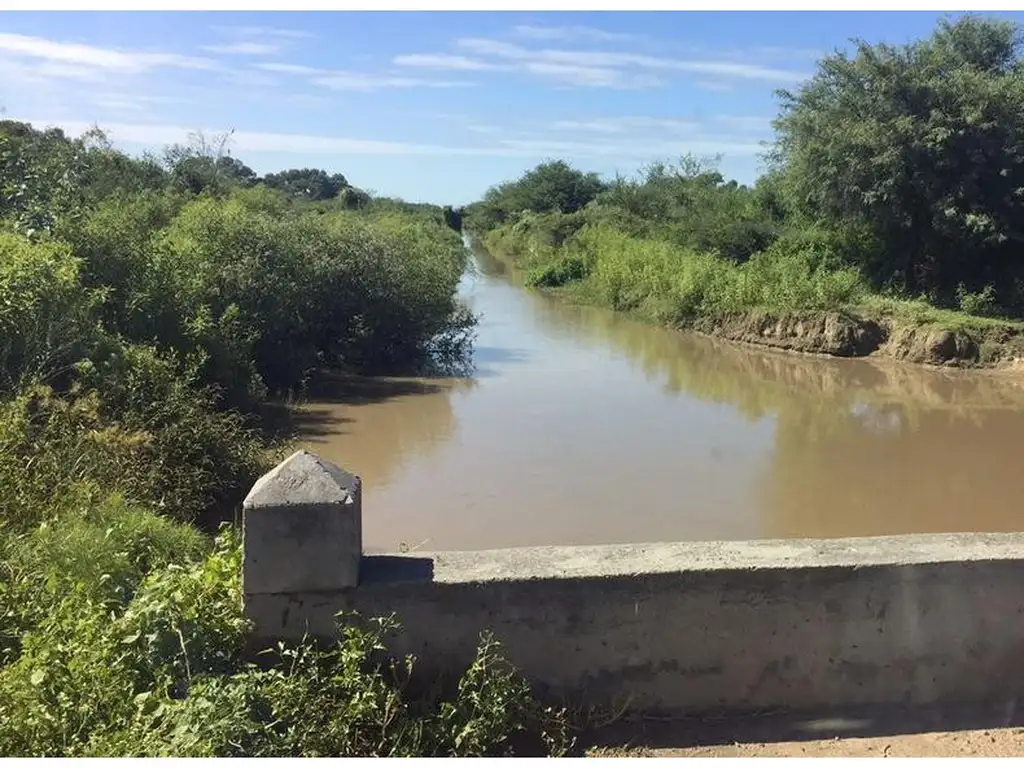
[
  {"x": 924, "y": 145},
  {"x": 307, "y": 183}
]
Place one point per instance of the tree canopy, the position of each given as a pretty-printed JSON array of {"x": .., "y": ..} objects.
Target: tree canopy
[
  {"x": 307, "y": 183},
  {"x": 924, "y": 146}
]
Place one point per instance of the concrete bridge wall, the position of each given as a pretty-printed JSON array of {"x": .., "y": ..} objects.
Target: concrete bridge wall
[{"x": 666, "y": 627}]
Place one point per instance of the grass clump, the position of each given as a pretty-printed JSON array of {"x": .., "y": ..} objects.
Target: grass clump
[{"x": 677, "y": 285}]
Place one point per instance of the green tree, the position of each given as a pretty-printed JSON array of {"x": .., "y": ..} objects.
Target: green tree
[
  {"x": 307, "y": 183},
  {"x": 552, "y": 187},
  {"x": 924, "y": 146},
  {"x": 40, "y": 177},
  {"x": 205, "y": 164}
]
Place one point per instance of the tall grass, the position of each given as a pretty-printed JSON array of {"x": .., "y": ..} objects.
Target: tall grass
[{"x": 678, "y": 285}]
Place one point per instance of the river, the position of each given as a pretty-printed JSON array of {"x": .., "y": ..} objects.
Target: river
[{"x": 581, "y": 426}]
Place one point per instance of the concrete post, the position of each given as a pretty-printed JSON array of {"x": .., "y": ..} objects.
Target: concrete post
[{"x": 302, "y": 528}]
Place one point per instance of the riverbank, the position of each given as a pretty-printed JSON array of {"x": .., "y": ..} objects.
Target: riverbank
[
  {"x": 860, "y": 332},
  {"x": 869, "y": 326}
]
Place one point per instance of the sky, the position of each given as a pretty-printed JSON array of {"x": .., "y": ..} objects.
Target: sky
[{"x": 431, "y": 106}]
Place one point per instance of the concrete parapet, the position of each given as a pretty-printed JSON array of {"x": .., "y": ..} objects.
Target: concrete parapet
[
  {"x": 693, "y": 627},
  {"x": 302, "y": 528}
]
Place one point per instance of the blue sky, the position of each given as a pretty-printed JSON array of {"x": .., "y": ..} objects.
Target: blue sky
[{"x": 428, "y": 105}]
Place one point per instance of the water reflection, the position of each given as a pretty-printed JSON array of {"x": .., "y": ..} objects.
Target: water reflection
[
  {"x": 581, "y": 426},
  {"x": 375, "y": 425}
]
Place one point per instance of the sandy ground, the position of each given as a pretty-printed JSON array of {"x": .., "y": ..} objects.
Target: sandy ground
[
  {"x": 999, "y": 742},
  {"x": 996, "y": 731}
]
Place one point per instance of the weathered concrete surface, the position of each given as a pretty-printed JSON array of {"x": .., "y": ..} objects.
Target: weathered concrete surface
[
  {"x": 699, "y": 627},
  {"x": 302, "y": 524}
]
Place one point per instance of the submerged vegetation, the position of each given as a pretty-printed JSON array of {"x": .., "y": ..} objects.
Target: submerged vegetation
[
  {"x": 894, "y": 198},
  {"x": 149, "y": 307}
]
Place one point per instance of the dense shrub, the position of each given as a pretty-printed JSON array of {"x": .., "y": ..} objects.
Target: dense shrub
[
  {"x": 141, "y": 652},
  {"x": 145, "y": 311},
  {"x": 47, "y": 317}
]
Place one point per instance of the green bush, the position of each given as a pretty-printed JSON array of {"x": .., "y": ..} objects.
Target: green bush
[
  {"x": 145, "y": 312},
  {"x": 48, "y": 319},
  {"x": 134, "y": 424},
  {"x": 982, "y": 303},
  {"x": 160, "y": 670},
  {"x": 566, "y": 270}
]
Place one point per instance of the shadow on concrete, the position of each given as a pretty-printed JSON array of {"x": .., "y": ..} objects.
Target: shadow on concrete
[
  {"x": 850, "y": 722},
  {"x": 389, "y": 569}
]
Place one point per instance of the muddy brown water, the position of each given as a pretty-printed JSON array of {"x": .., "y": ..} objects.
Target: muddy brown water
[{"x": 582, "y": 426}]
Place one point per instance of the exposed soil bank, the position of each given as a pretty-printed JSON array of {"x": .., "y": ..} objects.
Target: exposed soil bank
[{"x": 846, "y": 335}]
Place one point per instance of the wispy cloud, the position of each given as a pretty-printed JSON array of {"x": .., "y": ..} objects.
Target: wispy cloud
[
  {"x": 340, "y": 80},
  {"x": 630, "y": 150},
  {"x": 302, "y": 144},
  {"x": 77, "y": 60},
  {"x": 615, "y": 60},
  {"x": 290, "y": 69},
  {"x": 356, "y": 81},
  {"x": 619, "y": 125},
  {"x": 513, "y": 57},
  {"x": 245, "y": 31},
  {"x": 591, "y": 77},
  {"x": 444, "y": 61},
  {"x": 245, "y": 48},
  {"x": 569, "y": 33},
  {"x": 130, "y": 102},
  {"x": 738, "y": 127}
]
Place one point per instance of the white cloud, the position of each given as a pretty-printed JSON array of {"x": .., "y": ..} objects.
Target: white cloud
[
  {"x": 130, "y": 102},
  {"x": 339, "y": 80},
  {"x": 74, "y": 59},
  {"x": 569, "y": 33},
  {"x": 591, "y": 77},
  {"x": 647, "y": 150},
  {"x": 291, "y": 69},
  {"x": 617, "y": 60},
  {"x": 357, "y": 81},
  {"x": 443, "y": 61},
  {"x": 618, "y": 125},
  {"x": 487, "y": 47},
  {"x": 289, "y": 143},
  {"x": 244, "y": 31},
  {"x": 245, "y": 48},
  {"x": 723, "y": 128}
]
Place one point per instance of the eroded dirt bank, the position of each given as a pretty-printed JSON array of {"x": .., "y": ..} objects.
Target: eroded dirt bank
[{"x": 846, "y": 335}]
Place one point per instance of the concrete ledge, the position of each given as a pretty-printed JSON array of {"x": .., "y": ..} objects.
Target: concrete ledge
[{"x": 695, "y": 627}]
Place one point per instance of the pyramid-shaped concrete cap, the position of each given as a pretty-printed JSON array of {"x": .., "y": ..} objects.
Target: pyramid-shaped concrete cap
[{"x": 303, "y": 479}]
